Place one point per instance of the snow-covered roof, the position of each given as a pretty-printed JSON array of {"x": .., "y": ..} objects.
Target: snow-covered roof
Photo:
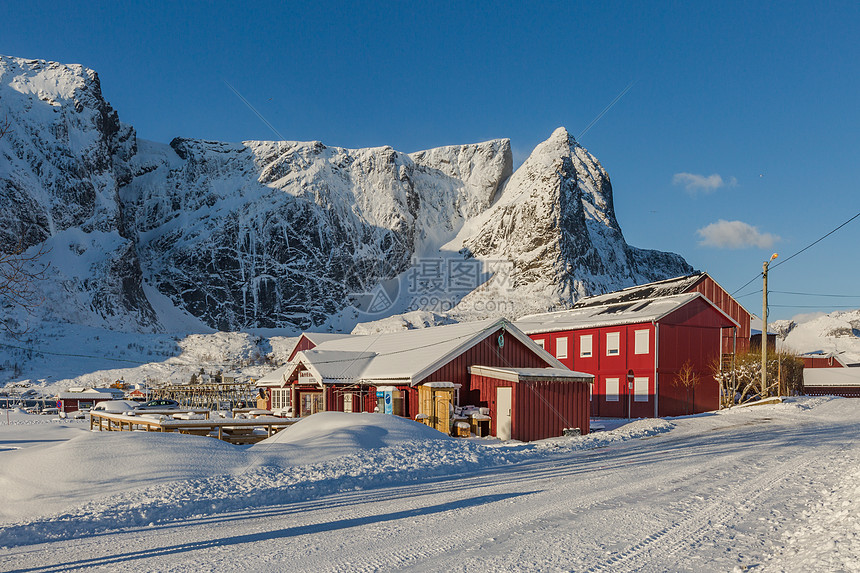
[
  {"x": 531, "y": 374},
  {"x": 107, "y": 393},
  {"x": 821, "y": 355},
  {"x": 317, "y": 338},
  {"x": 633, "y": 312},
  {"x": 831, "y": 377},
  {"x": 407, "y": 356},
  {"x": 275, "y": 377},
  {"x": 657, "y": 289}
]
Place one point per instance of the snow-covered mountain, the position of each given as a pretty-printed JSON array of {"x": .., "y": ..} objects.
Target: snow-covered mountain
[
  {"x": 199, "y": 235},
  {"x": 837, "y": 332}
]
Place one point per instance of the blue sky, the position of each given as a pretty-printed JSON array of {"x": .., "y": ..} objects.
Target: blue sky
[{"x": 738, "y": 138}]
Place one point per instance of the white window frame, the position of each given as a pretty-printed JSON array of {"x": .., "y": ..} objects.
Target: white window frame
[
  {"x": 640, "y": 389},
  {"x": 642, "y": 344},
  {"x": 614, "y": 396},
  {"x": 586, "y": 350},
  {"x": 540, "y": 342},
  {"x": 280, "y": 398},
  {"x": 561, "y": 347},
  {"x": 613, "y": 343},
  {"x": 348, "y": 397}
]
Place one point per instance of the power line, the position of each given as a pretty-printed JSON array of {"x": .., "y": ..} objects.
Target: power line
[
  {"x": 752, "y": 292},
  {"x": 815, "y": 294},
  {"x": 798, "y": 252},
  {"x": 746, "y": 284},
  {"x": 816, "y": 241},
  {"x": 606, "y": 109},
  {"x": 848, "y": 306},
  {"x": 252, "y": 108},
  {"x": 38, "y": 351}
]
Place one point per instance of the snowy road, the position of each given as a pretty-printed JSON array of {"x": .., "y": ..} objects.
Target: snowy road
[{"x": 761, "y": 489}]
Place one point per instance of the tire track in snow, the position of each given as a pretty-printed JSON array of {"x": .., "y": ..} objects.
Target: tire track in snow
[{"x": 692, "y": 528}]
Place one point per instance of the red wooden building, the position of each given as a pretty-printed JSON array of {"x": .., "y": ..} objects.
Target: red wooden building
[
  {"x": 636, "y": 348},
  {"x": 821, "y": 360},
  {"x": 85, "y": 398},
  {"x": 384, "y": 372},
  {"x": 698, "y": 282},
  {"x": 516, "y": 394}
]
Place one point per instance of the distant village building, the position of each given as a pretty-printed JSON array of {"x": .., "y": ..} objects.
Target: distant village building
[
  {"x": 430, "y": 374},
  {"x": 843, "y": 382},
  {"x": 85, "y": 398},
  {"x": 820, "y": 359}
]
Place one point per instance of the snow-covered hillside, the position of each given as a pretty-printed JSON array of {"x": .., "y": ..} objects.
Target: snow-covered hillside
[
  {"x": 56, "y": 357},
  {"x": 837, "y": 332},
  {"x": 199, "y": 235}
]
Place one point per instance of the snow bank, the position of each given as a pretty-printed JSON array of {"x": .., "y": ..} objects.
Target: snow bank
[
  {"x": 54, "y": 477},
  {"x": 141, "y": 478},
  {"x": 328, "y": 435}
]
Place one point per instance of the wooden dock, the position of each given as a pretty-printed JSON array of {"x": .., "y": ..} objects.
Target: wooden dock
[{"x": 235, "y": 431}]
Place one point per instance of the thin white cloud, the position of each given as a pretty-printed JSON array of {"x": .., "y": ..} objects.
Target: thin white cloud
[
  {"x": 734, "y": 235},
  {"x": 694, "y": 182}
]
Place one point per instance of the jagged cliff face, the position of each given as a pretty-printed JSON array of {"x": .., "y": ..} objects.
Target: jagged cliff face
[
  {"x": 274, "y": 233},
  {"x": 556, "y": 222},
  {"x": 61, "y": 163},
  {"x": 263, "y": 234}
]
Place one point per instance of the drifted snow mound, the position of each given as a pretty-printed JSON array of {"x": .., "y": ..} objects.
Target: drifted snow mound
[
  {"x": 94, "y": 465},
  {"x": 401, "y": 322},
  {"x": 328, "y": 435}
]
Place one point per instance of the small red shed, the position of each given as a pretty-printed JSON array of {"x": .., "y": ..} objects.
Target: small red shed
[
  {"x": 529, "y": 404},
  {"x": 85, "y": 398}
]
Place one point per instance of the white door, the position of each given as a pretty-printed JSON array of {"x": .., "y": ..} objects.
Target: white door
[{"x": 503, "y": 413}]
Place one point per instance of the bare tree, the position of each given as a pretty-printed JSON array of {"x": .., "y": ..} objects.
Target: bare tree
[{"x": 688, "y": 378}]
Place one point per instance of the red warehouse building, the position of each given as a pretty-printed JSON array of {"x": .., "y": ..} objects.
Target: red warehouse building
[
  {"x": 636, "y": 350},
  {"x": 698, "y": 282},
  {"x": 425, "y": 374}
]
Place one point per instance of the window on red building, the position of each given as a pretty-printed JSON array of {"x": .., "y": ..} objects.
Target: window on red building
[
  {"x": 613, "y": 343},
  {"x": 585, "y": 346},
  {"x": 561, "y": 347},
  {"x": 612, "y": 389},
  {"x": 641, "y": 342}
]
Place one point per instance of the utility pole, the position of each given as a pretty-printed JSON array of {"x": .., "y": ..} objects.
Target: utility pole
[{"x": 764, "y": 327}]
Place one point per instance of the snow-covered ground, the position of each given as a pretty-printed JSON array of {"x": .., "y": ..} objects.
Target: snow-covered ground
[{"x": 766, "y": 488}]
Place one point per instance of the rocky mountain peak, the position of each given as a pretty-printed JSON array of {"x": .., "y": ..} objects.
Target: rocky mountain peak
[{"x": 282, "y": 234}]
